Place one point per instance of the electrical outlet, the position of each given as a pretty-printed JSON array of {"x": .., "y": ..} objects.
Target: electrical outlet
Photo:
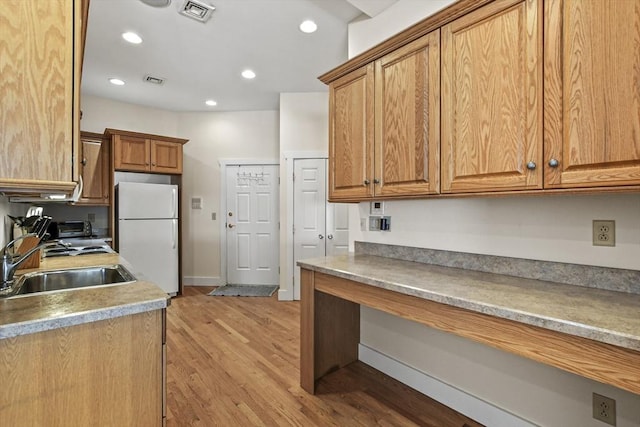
[
  {"x": 604, "y": 232},
  {"x": 92, "y": 217},
  {"x": 604, "y": 409}
]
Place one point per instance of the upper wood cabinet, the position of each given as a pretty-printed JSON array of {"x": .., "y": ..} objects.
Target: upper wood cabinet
[
  {"x": 39, "y": 86},
  {"x": 94, "y": 169},
  {"x": 407, "y": 119},
  {"x": 492, "y": 99},
  {"x": 592, "y": 93},
  {"x": 384, "y": 125},
  {"x": 137, "y": 152},
  {"x": 351, "y": 135}
]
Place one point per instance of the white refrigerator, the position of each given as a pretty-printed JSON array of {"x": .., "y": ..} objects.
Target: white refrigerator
[{"x": 148, "y": 231}]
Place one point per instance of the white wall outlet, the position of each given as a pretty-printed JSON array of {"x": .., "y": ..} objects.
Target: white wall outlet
[
  {"x": 213, "y": 216},
  {"x": 604, "y": 232},
  {"x": 604, "y": 409}
]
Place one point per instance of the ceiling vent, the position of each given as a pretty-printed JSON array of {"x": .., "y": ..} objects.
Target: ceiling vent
[
  {"x": 197, "y": 10},
  {"x": 153, "y": 79}
]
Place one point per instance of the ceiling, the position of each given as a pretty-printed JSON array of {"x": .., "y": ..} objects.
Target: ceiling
[{"x": 202, "y": 61}]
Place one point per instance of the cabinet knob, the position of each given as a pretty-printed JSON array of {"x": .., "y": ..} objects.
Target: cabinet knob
[
  {"x": 531, "y": 165},
  {"x": 84, "y": 161},
  {"x": 367, "y": 182},
  {"x": 376, "y": 181},
  {"x": 553, "y": 163},
  {"x": 320, "y": 236},
  {"x": 330, "y": 236}
]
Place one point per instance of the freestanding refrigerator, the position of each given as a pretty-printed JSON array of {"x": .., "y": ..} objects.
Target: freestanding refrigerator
[{"x": 148, "y": 231}]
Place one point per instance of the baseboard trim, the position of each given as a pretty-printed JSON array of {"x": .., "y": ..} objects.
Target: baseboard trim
[
  {"x": 200, "y": 281},
  {"x": 459, "y": 400}
]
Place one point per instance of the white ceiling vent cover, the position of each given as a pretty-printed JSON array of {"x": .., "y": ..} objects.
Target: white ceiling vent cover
[
  {"x": 153, "y": 79},
  {"x": 197, "y": 10}
]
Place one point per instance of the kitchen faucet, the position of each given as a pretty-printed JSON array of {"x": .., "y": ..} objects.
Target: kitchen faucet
[{"x": 10, "y": 263}]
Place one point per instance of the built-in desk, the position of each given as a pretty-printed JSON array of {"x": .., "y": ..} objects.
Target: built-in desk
[{"x": 591, "y": 332}]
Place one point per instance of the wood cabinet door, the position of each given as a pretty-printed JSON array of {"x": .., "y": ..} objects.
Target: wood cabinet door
[
  {"x": 166, "y": 157},
  {"x": 351, "y": 115},
  {"x": 592, "y": 93},
  {"x": 94, "y": 169},
  {"x": 38, "y": 108},
  {"x": 407, "y": 119},
  {"x": 492, "y": 98},
  {"x": 131, "y": 153}
]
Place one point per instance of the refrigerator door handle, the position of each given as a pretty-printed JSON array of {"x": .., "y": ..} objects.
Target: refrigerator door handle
[
  {"x": 174, "y": 202},
  {"x": 174, "y": 226}
]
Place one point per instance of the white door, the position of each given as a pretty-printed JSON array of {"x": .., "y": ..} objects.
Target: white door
[
  {"x": 319, "y": 228},
  {"x": 252, "y": 225}
]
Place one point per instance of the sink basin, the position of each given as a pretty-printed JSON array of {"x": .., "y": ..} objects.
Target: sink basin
[{"x": 72, "y": 278}]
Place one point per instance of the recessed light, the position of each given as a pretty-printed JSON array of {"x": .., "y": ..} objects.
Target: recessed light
[
  {"x": 308, "y": 26},
  {"x": 211, "y": 102},
  {"x": 157, "y": 3},
  {"x": 132, "y": 37},
  {"x": 248, "y": 74},
  {"x": 116, "y": 82}
]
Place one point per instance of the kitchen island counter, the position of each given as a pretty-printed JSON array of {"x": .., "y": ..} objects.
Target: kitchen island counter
[{"x": 37, "y": 312}]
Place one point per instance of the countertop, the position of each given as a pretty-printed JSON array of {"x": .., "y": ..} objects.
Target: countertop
[
  {"x": 45, "y": 311},
  {"x": 602, "y": 315}
]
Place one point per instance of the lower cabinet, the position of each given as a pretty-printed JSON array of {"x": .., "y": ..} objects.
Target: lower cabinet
[{"x": 107, "y": 373}]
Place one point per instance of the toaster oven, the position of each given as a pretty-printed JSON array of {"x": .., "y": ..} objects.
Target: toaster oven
[{"x": 68, "y": 229}]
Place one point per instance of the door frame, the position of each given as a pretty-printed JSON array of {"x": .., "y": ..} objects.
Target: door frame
[
  {"x": 287, "y": 263},
  {"x": 224, "y": 164}
]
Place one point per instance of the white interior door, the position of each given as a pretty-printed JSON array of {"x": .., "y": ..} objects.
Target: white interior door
[
  {"x": 319, "y": 228},
  {"x": 337, "y": 228},
  {"x": 252, "y": 225}
]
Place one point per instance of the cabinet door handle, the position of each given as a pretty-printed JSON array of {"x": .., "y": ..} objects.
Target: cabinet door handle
[
  {"x": 84, "y": 161},
  {"x": 531, "y": 165},
  {"x": 320, "y": 236},
  {"x": 553, "y": 163},
  {"x": 367, "y": 182},
  {"x": 330, "y": 236},
  {"x": 376, "y": 181}
]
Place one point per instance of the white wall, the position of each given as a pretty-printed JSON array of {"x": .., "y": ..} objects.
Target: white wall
[
  {"x": 303, "y": 129},
  {"x": 556, "y": 228}
]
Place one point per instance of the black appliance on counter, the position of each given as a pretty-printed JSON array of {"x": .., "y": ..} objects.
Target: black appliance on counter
[{"x": 69, "y": 229}]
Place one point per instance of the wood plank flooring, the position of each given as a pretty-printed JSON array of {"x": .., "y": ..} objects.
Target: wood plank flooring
[{"x": 234, "y": 361}]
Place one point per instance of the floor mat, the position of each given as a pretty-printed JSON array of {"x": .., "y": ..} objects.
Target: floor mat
[{"x": 244, "y": 291}]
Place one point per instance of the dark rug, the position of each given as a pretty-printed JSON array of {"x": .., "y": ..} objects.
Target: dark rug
[{"x": 244, "y": 291}]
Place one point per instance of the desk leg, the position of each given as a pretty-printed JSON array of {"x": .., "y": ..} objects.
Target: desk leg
[{"x": 329, "y": 332}]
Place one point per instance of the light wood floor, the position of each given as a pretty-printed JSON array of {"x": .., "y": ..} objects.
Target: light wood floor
[{"x": 234, "y": 361}]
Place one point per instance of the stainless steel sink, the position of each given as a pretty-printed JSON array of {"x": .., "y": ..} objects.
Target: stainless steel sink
[{"x": 72, "y": 278}]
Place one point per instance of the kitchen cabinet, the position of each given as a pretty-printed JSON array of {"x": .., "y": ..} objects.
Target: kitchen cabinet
[
  {"x": 136, "y": 152},
  {"x": 407, "y": 119},
  {"x": 94, "y": 169},
  {"x": 351, "y": 135},
  {"x": 492, "y": 99},
  {"x": 108, "y": 372},
  {"x": 41, "y": 47},
  {"x": 384, "y": 125},
  {"x": 592, "y": 93}
]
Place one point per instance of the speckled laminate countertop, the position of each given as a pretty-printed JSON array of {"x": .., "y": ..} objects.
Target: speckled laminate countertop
[
  {"x": 38, "y": 312},
  {"x": 602, "y": 315}
]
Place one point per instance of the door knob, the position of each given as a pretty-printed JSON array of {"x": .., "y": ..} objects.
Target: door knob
[
  {"x": 367, "y": 182},
  {"x": 320, "y": 236},
  {"x": 531, "y": 165},
  {"x": 231, "y": 225},
  {"x": 553, "y": 163},
  {"x": 330, "y": 236}
]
